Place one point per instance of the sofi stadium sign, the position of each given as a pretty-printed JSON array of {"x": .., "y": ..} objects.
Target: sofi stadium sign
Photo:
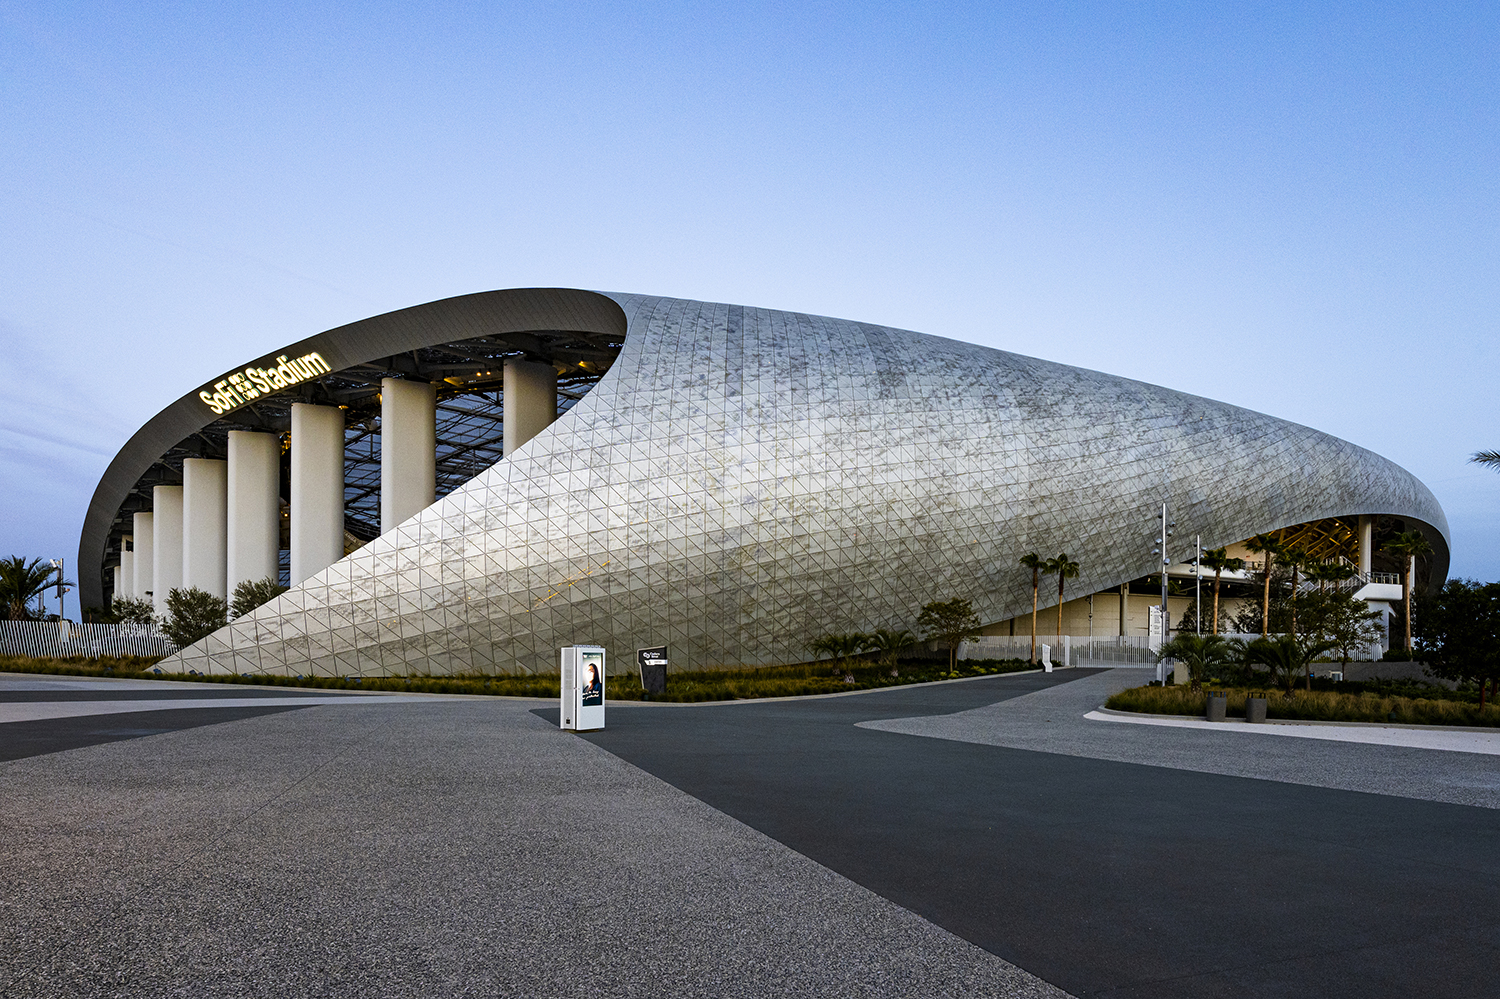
[{"x": 240, "y": 387}]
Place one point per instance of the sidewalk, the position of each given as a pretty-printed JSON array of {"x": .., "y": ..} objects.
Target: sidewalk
[{"x": 1378, "y": 760}]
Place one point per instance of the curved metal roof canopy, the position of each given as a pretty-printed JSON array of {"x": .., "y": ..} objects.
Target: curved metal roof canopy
[{"x": 458, "y": 343}]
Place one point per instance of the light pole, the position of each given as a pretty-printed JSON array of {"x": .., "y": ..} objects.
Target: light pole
[
  {"x": 1198, "y": 584},
  {"x": 58, "y": 563},
  {"x": 1161, "y": 550}
]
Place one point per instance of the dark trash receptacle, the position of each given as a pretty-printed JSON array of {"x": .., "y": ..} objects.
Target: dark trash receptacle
[
  {"x": 1255, "y": 709},
  {"x": 1218, "y": 707}
]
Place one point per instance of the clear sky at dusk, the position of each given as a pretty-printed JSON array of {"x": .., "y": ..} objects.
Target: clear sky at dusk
[{"x": 1294, "y": 208}]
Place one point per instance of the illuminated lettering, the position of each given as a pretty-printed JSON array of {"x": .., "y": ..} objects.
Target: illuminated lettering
[{"x": 240, "y": 387}]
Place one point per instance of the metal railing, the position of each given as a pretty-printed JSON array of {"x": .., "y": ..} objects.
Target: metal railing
[
  {"x": 1078, "y": 650},
  {"x": 61, "y": 639},
  {"x": 1074, "y": 650}
]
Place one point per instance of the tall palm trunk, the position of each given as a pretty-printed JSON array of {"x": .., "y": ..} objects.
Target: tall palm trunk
[
  {"x": 1060, "y": 580},
  {"x": 1411, "y": 564},
  {"x": 1036, "y": 586},
  {"x": 1265, "y": 601},
  {"x": 1295, "y": 568},
  {"x": 1217, "y": 574}
]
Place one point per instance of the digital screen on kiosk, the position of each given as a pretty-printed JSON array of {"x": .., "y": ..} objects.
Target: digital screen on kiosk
[{"x": 591, "y": 678}]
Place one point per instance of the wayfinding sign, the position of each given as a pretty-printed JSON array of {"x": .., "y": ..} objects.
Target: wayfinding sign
[
  {"x": 653, "y": 664},
  {"x": 582, "y": 696}
]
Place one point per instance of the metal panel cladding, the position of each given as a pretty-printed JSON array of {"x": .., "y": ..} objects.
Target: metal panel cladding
[{"x": 743, "y": 480}]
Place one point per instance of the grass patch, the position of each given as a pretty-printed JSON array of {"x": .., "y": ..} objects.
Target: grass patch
[
  {"x": 1313, "y": 705},
  {"x": 699, "y": 685}
]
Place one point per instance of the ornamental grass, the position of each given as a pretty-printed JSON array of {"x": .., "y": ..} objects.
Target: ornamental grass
[
  {"x": 1312, "y": 705},
  {"x": 699, "y": 685}
]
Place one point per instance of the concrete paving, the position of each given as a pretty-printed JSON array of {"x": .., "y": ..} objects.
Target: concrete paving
[
  {"x": 1485, "y": 741},
  {"x": 1405, "y": 761},
  {"x": 439, "y": 848},
  {"x": 1117, "y": 861},
  {"x": 931, "y": 840}
]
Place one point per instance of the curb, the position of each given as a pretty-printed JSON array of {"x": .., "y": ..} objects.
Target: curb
[{"x": 1491, "y": 729}]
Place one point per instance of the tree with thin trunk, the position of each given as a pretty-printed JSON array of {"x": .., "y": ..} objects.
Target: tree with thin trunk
[
  {"x": 1296, "y": 559},
  {"x": 1036, "y": 564},
  {"x": 1268, "y": 548},
  {"x": 953, "y": 622},
  {"x": 1345, "y": 620},
  {"x": 1066, "y": 569},
  {"x": 1460, "y": 633},
  {"x": 1218, "y": 560},
  {"x": 1409, "y": 546}
]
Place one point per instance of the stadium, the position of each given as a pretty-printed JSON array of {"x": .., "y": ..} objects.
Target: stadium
[{"x": 471, "y": 484}]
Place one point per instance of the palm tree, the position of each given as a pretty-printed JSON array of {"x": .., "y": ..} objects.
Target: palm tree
[
  {"x": 1408, "y": 545},
  {"x": 841, "y": 647},
  {"x": 1267, "y": 546},
  {"x": 1036, "y": 564},
  {"x": 1296, "y": 559},
  {"x": 1199, "y": 653},
  {"x": 1286, "y": 655},
  {"x": 21, "y": 582},
  {"x": 1486, "y": 458},
  {"x": 1330, "y": 572},
  {"x": 1218, "y": 559},
  {"x": 888, "y": 643},
  {"x": 1066, "y": 569}
]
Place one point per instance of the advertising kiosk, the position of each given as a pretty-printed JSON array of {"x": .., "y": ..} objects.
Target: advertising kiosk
[{"x": 582, "y": 688}]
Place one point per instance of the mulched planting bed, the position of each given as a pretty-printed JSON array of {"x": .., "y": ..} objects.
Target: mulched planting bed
[
  {"x": 1360, "y": 705},
  {"x": 699, "y": 685}
]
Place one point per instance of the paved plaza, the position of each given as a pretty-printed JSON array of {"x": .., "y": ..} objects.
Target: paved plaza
[{"x": 973, "y": 838}]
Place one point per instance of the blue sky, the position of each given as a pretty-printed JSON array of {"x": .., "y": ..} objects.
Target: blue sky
[{"x": 1294, "y": 208}]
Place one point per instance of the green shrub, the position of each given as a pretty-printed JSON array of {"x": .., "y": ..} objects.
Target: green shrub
[
  {"x": 193, "y": 614},
  {"x": 253, "y": 593},
  {"x": 1313, "y": 705},
  {"x": 699, "y": 685}
]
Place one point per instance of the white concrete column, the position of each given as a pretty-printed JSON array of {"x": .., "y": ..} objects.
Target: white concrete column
[
  {"x": 254, "y": 507},
  {"x": 127, "y": 566},
  {"x": 143, "y": 559},
  {"x": 408, "y": 449},
  {"x": 166, "y": 542},
  {"x": 205, "y": 524},
  {"x": 530, "y": 401},
  {"x": 317, "y": 489},
  {"x": 119, "y": 587},
  {"x": 1366, "y": 542}
]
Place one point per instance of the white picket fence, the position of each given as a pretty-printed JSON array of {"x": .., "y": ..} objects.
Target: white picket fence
[{"x": 60, "y": 639}]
